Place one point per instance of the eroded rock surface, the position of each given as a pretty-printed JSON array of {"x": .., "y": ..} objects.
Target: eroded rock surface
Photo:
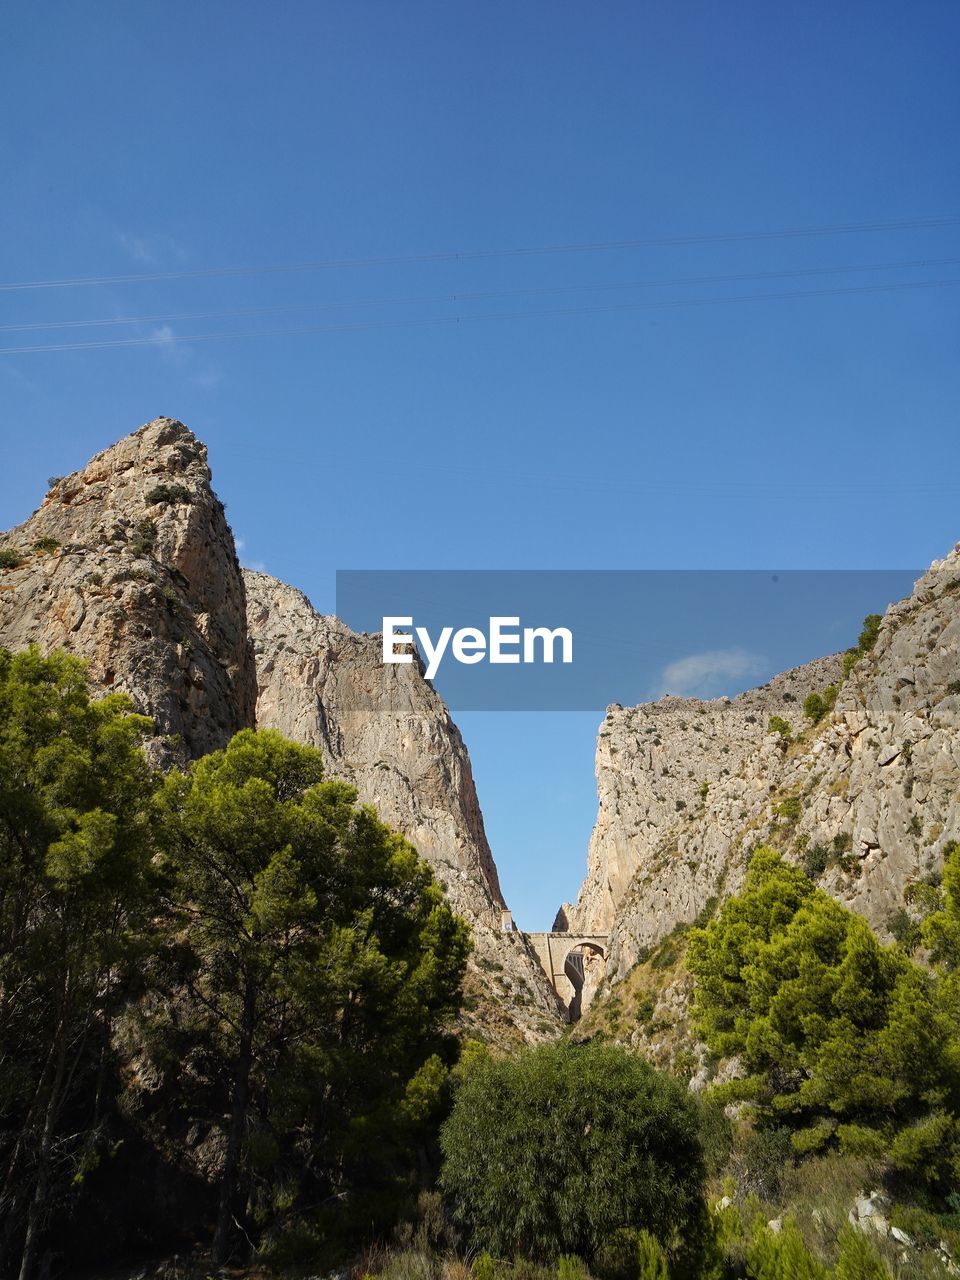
[
  {"x": 867, "y": 799},
  {"x": 130, "y": 564},
  {"x": 385, "y": 730}
]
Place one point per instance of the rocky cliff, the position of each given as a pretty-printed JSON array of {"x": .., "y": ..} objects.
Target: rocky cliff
[
  {"x": 385, "y": 729},
  {"x": 672, "y": 777},
  {"x": 130, "y": 564},
  {"x": 866, "y": 799}
]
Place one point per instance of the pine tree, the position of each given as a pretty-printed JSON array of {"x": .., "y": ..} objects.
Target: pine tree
[
  {"x": 322, "y": 968},
  {"x": 74, "y": 876}
]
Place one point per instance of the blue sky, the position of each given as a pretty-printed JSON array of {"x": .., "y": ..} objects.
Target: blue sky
[{"x": 595, "y": 413}]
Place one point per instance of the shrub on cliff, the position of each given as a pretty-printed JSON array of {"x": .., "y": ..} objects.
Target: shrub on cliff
[
  {"x": 845, "y": 1040},
  {"x": 563, "y": 1149}
]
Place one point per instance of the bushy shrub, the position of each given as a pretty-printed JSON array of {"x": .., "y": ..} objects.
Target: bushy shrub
[
  {"x": 816, "y": 859},
  {"x": 556, "y": 1150},
  {"x": 777, "y": 724},
  {"x": 168, "y": 493},
  {"x": 144, "y": 538},
  {"x": 858, "y": 1259},
  {"x": 10, "y": 558},
  {"x": 651, "y": 1259},
  {"x": 865, "y": 642},
  {"x": 790, "y": 808},
  {"x": 904, "y": 929},
  {"x": 816, "y": 705},
  {"x": 782, "y": 1255}
]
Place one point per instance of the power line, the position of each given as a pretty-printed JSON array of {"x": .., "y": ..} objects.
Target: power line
[
  {"x": 327, "y": 264},
  {"x": 172, "y": 339},
  {"x": 488, "y": 295}
]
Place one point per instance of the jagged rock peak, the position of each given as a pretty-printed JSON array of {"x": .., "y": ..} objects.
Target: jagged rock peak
[{"x": 130, "y": 564}]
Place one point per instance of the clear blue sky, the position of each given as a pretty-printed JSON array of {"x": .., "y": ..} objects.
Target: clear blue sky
[{"x": 815, "y": 432}]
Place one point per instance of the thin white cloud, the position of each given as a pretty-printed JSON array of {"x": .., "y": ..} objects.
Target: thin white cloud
[
  {"x": 151, "y": 250},
  {"x": 197, "y": 372},
  {"x": 136, "y": 247},
  {"x": 165, "y": 339},
  {"x": 709, "y": 674},
  {"x": 207, "y": 378},
  {"x": 240, "y": 542}
]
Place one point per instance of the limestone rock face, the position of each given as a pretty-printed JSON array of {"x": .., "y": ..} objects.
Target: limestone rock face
[
  {"x": 674, "y": 770},
  {"x": 868, "y": 798},
  {"x": 385, "y": 730},
  {"x": 131, "y": 565}
]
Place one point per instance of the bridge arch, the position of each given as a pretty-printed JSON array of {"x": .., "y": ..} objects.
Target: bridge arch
[
  {"x": 574, "y": 963},
  {"x": 582, "y": 974}
]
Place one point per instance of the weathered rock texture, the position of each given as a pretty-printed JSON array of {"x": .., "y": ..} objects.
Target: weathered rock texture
[
  {"x": 147, "y": 589},
  {"x": 664, "y": 770},
  {"x": 131, "y": 565},
  {"x": 868, "y": 798},
  {"x": 385, "y": 730}
]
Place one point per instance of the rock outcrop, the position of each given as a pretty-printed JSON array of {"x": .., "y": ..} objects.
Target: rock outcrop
[
  {"x": 130, "y": 564},
  {"x": 867, "y": 799},
  {"x": 385, "y": 730},
  {"x": 662, "y": 768}
]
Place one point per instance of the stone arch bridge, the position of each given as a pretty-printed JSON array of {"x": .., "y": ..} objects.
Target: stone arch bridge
[{"x": 572, "y": 962}]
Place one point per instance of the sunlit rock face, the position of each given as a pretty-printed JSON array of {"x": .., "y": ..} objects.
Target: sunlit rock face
[
  {"x": 130, "y": 564},
  {"x": 868, "y": 799},
  {"x": 385, "y": 729}
]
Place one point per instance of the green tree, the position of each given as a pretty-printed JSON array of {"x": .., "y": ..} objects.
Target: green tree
[
  {"x": 778, "y": 725},
  {"x": 74, "y": 877},
  {"x": 781, "y": 1255},
  {"x": 941, "y": 928},
  {"x": 843, "y": 1039},
  {"x": 865, "y": 642},
  {"x": 816, "y": 705},
  {"x": 321, "y": 967},
  {"x": 858, "y": 1259},
  {"x": 560, "y": 1148}
]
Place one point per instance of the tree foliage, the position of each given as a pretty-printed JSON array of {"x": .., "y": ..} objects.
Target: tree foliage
[
  {"x": 317, "y": 965},
  {"x": 560, "y": 1148},
  {"x": 843, "y": 1039},
  {"x": 280, "y": 964},
  {"x": 941, "y": 928},
  {"x": 74, "y": 883},
  {"x": 817, "y": 705}
]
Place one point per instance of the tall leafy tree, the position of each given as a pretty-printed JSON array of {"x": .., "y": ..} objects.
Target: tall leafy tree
[
  {"x": 75, "y": 794},
  {"x": 941, "y": 928},
  {"x": 318, "y": 970},
  {"x": 845, "y": 1039}
]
